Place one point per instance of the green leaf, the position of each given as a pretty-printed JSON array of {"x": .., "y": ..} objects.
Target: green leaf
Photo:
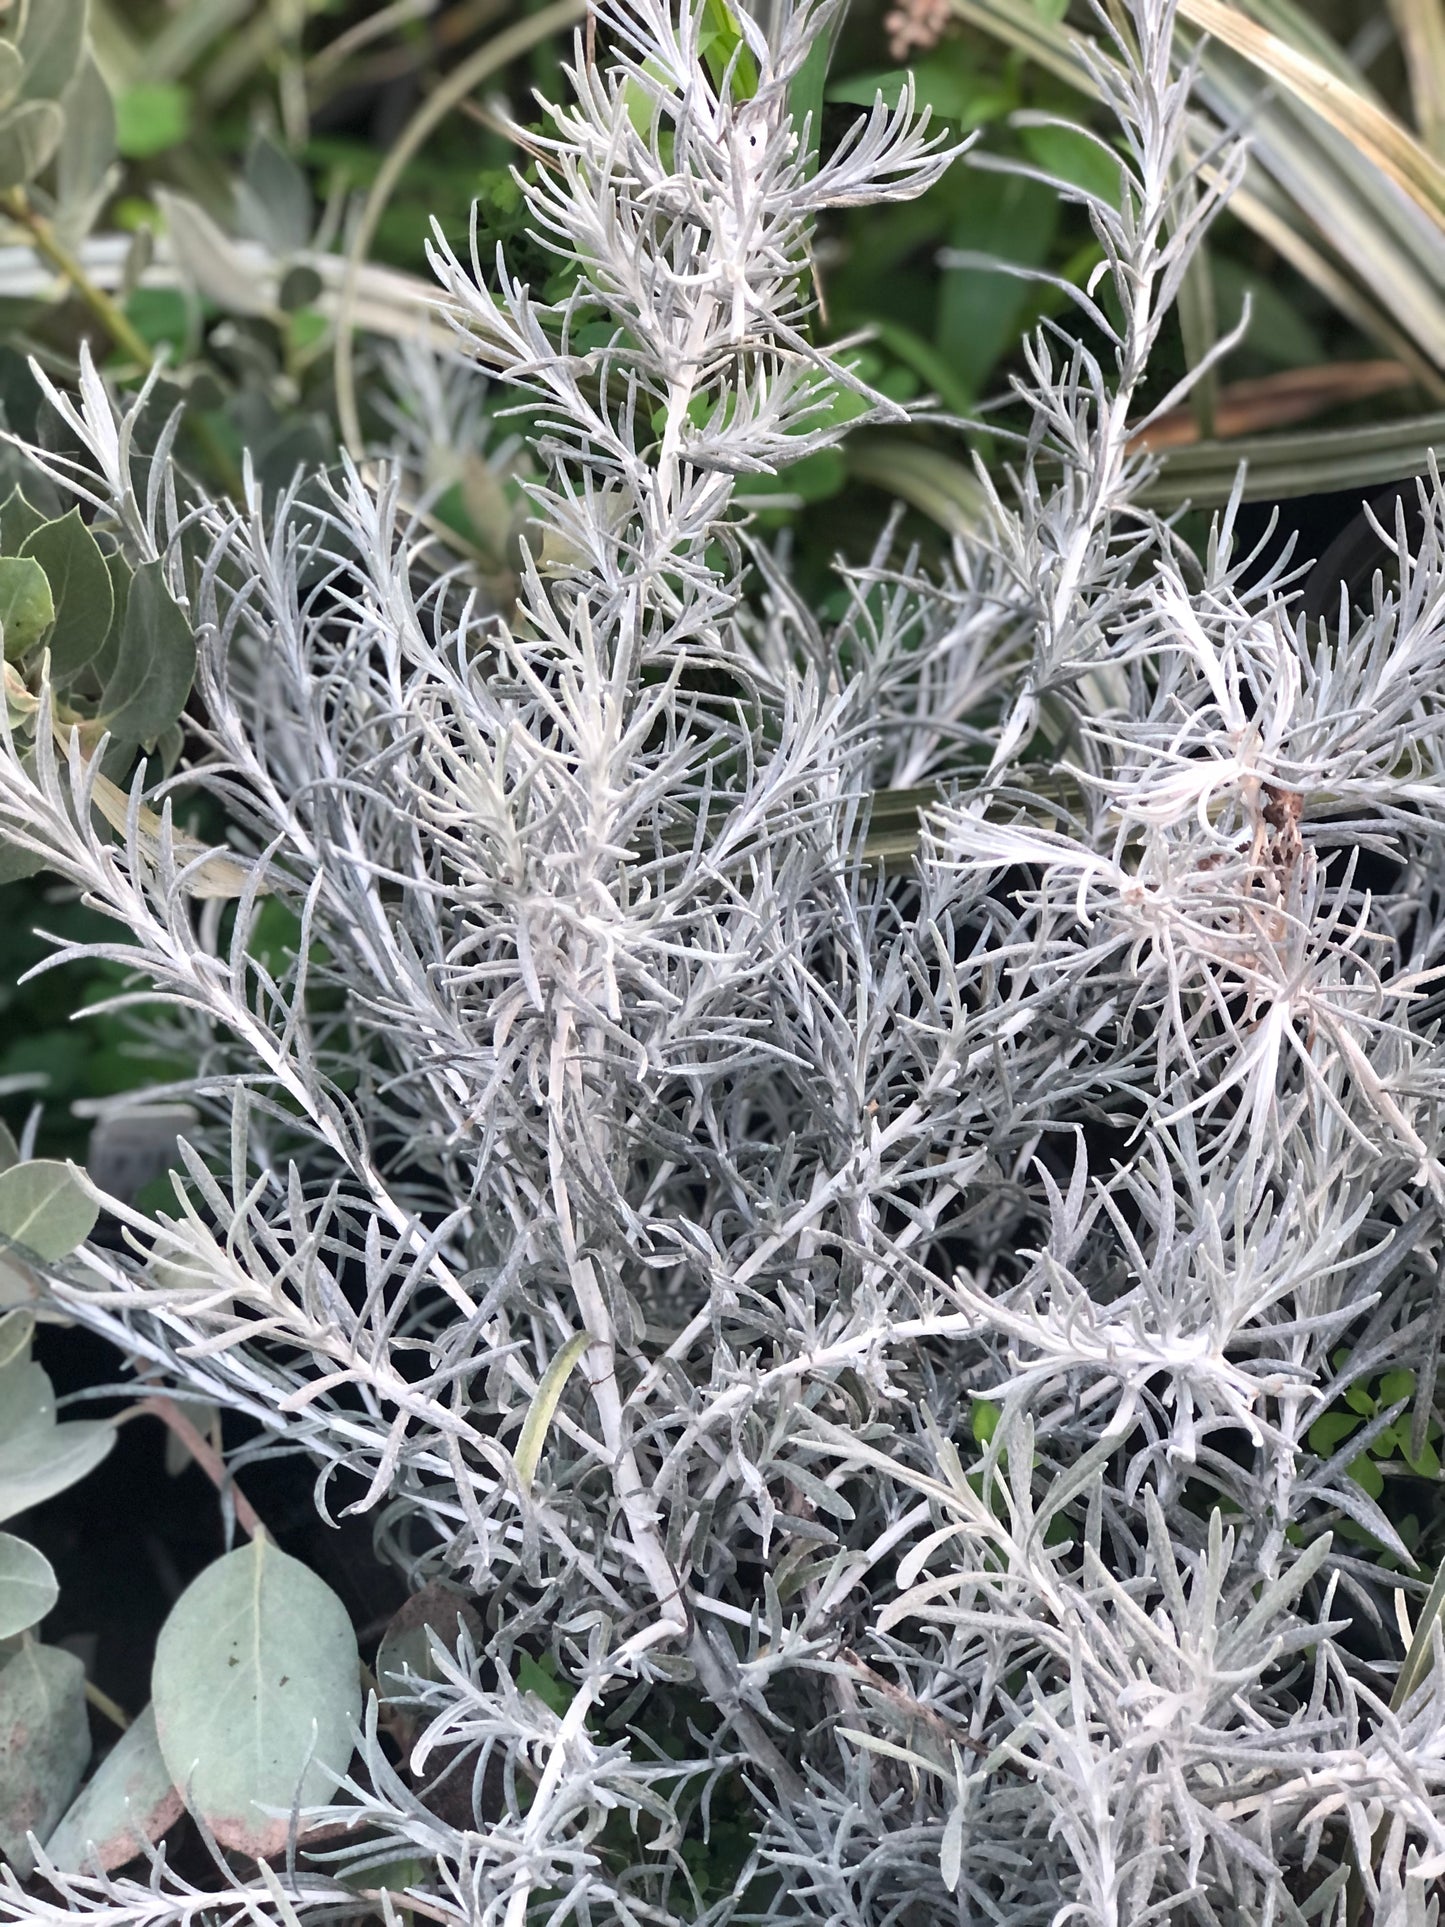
[
  {"x": 151, "y": 117},
  {"x": 155, "y": 664},
  {"x": 28, "y": 1586},
  {"x": 27, "y": 1398},
  {"x": 41, "y": 1463},
  {"x": 87, "y": 151},
  {"x": 1395, "y": 1386},
  {"x": 953, "y": 91},
  {"x": 80, "y": 585},
  {"x": 129, "y": 1800},
  {"x": 1330, "y": 1431},
  {"x": 17, "y": 1328},
  {"x": 44, "y": 1208},
  {"x": 44, "y": 1745},
  {"x": 1069, "y": 154},
  {"x": 981, "y": 310},
  {"x": 984, "y": 1416},
  {"x": 19, "y": 519},
  {"x": 256, "y": 1693},
  {"x": 534, "y": 1678},
  {"x": 1417, "y": 1660},
  {"x": 273, "y": 200},
  {"x": 51, "y": 42},
  {"x": 12, "y": 73},
  {"x": 405, "y": 1646},
  {"x": 29, "y": 134},
  {"x": 26, "y": 607},
  {"x": 1368, "y": 1476}
]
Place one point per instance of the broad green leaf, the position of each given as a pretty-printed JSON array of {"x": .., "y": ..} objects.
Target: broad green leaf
[
  {"x": 51, "y": 42},
  {"x": 26, "y": 607},
  {"x": 80, "y": 585},
  {"x": 952, "y": 91},
  {"x": 44, "y": 1745},
  {"x": 532, "y": 1677},
  {"x": 28, "y": 1587},
  {"x": 18, "y": 520},
  {"x": 1330, "y": 1431},
  {"x": 150, "y": 117},
  {"x": 405, "y": 1646},
  {"x": 1367, "y": 1476},
  {"x": 981, "y": 309},
  {"x": 39, "y": 1464},
  {"x": 155, "y": 664},
  {"x": 256, "y": 1694},
  {"x": 129, "y": 1800},
  {"x": 44, "y": 1207}
]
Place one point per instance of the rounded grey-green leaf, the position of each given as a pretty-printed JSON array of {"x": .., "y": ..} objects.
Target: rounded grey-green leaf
[
  {"x": 52, "y": 39},
  {"x": 40, "y": 1463},
  {"x": 12, "y": 72},
  {"x": 28, "y": 1587},
  {"x": 80, "y": 587},
  {"x": 44, "y": 1207},
  {"x": 44, "y": 1745},
  {"x": 27, "y": 608},
  {"x": 30, "y": 132},
  {"x": 257, "y": 1693},
  {"x": 130, "y": 1799},
  {"x": 406, "y": 1647}
]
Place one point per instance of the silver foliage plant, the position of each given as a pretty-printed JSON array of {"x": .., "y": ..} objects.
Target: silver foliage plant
[{"x": 863, "y": 1317}]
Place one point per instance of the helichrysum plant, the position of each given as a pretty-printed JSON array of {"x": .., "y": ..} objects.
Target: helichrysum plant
[{"x": 853, "y": 1318}]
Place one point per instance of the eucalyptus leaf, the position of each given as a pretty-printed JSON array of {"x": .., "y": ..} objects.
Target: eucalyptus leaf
[
  {"x": 17, "y": 1328},
  {"x": 51, "y": 42},
  {"x": 39, "y": 1464},
  {"x": 26, "y": 606},
  {"x": 45, "y": 1209},
  {"x": 406, "y": 1646},
  {"x": 129, "y": 1800},
  {"x": 27, "y": 1401},
  {"x": 156, "y": 661},
  {"x": 256, "y": 1688},
  {"x": 30, "y": 132},
  {"x": 44, "y": 1745},
  {"x": 80, "y": 585},
  {"x": 28, "y": 1587}
]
